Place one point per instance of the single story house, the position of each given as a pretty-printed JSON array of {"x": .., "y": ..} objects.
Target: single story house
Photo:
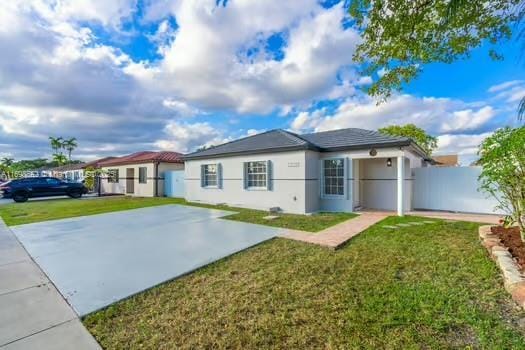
[
  {"x": 76, "y": 172},
  {"x": 339, "y": 170},
  {"x": 139, "y": 174}
]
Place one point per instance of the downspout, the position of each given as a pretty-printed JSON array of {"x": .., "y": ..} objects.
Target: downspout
[{"x": 156, "y": 179}]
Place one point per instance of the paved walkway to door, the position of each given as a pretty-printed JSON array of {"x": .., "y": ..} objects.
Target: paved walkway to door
[
  {"x": 33, "y": 314},
  {"x": 335, "y": 236}
]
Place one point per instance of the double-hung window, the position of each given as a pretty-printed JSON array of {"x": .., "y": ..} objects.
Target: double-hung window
[
  {"x": 209, "y": 172},
  {"x": 334, "y": 177},
  {"x": 256, "y": 174}
]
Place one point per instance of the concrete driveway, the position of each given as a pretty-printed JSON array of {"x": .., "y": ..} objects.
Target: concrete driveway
[{"x": 97, "y": 260}]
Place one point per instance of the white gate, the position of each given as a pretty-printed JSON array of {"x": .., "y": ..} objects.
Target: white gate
[{"x": 451, "y": 189}]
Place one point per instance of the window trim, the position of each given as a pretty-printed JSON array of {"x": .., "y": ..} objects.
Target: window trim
[
  {"x": 145, "y": 179},
  {"x": 345, "y": 170},
  {"x": 247, "y": 176},
  {"x": 204, "y": 178}
]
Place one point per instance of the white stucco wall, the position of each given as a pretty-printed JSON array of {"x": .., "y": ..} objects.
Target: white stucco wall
[
  {"x": 378, "y": 184},
  {"x": 296, "y": 188},
  {"x": 287, "y": 189},
  {"x": 140, "y": 189}
]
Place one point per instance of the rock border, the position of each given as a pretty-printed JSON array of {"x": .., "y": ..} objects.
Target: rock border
[{"x": 513, "y": 279}]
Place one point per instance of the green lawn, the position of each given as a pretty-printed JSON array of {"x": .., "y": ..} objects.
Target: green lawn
[
  {"x": 428, "y": 287},
  {"x": 24, "y": 213}
]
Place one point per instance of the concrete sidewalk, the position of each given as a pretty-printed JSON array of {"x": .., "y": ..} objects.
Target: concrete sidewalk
[{"x": 33, "y": 314}]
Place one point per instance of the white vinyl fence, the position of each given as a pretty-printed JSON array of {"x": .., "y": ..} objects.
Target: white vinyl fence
[{"x": 451, "y": 189}]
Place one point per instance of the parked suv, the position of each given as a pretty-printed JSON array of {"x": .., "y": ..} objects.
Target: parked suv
[{"x": 22, "y": 189}]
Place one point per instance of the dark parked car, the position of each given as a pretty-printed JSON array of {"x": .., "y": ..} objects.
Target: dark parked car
[{"x": 20, "y": 190}]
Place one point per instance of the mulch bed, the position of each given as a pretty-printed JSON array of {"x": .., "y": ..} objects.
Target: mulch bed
[{"x": 510, "y": 237}]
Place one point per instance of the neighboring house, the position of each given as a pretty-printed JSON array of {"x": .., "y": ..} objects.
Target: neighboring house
[
  {"x": 76, "y": 172},
  {"x": 446, "y": 160},
  {"x": 340, "y": 170},
  {"x": 139, "y": 174},
  {"x": 69, "y": 172}
]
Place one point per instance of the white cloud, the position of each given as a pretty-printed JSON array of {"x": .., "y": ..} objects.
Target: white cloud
[
  {"x": 184, "y": 137},
  {"x": 468, "y": 119},
  {"x": 510, "y": 92},
  {"x": 58, "y": 77},
  {"x": 56, "y": 74},
  {"x": 436, "y": 115},
  {"x": 181, "y": 108},
  {"x": 460, "y": 126},
  {"x": 208, "y": 63},
  {"x": 505, "y": 85},
  {"x": 465, "y": 145},
  {"x": 103, "y": 11}
]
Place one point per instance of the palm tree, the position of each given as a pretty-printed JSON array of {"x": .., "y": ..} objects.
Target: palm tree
[
  {"x": 7, "y": 162},
  {"x": 59, "y": 158},
  {"x": 56, "y": 144},
  {"x": 70, "y": 145}
]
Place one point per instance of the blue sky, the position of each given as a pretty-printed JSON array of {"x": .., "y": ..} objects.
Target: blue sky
[{"x": 128, "y": 75}]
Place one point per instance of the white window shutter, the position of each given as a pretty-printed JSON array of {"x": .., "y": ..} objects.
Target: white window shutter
[
  {"x": 202, "y": 175},
  {"x": 219, "y": 175},
  {"x": 269, "y": 184}
]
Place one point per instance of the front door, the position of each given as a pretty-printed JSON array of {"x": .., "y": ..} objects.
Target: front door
[{"x": 130, "y": 180}]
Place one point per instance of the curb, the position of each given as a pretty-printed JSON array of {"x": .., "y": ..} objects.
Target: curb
[{"x": 513, "y": 279}]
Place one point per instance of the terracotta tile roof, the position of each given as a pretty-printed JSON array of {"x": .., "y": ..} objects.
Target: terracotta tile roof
[
  {"x": 95, "y": 163},
  {"x": 144, "y": 157},
  {"x": 77, "y": 166}
]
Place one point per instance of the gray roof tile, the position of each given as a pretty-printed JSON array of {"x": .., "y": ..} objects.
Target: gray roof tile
[
  {"x": 352, "y": 138},
  {"x": 282, "y": 140}
]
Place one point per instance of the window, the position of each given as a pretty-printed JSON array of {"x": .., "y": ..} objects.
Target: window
[
  {"x": 113, "y": 175},
  {"x": 334, "y": 177},
  {"x": 143, "y": 175},
  {"x": 209, "y": 173},
  {"x": 52, "y": 181},
  {"x": 256, "y": 175}
]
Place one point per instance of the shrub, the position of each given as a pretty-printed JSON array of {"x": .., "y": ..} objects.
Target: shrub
[
  {"x": 502, "y": 156},
  {"x": 89, "y": 179}
]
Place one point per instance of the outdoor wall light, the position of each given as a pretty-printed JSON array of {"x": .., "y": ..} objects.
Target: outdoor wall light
[{"x": 389, "y": 162}]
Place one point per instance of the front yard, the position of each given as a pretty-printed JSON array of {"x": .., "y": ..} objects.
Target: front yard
[
  {"x": 36, "y": 211},
  {"x": 429, "y": 286}
]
